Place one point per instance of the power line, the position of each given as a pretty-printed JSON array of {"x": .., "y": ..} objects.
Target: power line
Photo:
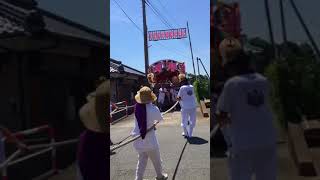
[
  {"x": 128, "y": 16},
  {"x": 174, "y": 21},
  {"x": 159, "y": 43},
  {"x": 158, "y": 14},
  {"x": 184, "y": 41}
]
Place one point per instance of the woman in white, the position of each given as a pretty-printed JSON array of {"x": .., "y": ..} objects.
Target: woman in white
[
  {"x": 147, "y": 116},
  {"x": 161, "y": 97}
]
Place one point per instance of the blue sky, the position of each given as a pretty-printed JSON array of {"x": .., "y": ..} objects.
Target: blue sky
[
  {"x": 127, "y": 40},
  {"x": 94, "y": 14},
  {"x": 254, "y": 21},
  {"x": 127, "y": 43}
]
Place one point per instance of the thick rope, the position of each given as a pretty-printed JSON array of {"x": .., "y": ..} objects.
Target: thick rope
[
  {"x": 214, "y": 131},
  {"x": 137, "y": 137}
]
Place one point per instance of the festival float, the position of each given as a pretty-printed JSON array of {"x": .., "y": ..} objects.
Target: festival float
[{"x": 164, "y": 73}]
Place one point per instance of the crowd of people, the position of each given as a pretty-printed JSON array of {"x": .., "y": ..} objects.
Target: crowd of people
[{"x": 167, "y": 96}]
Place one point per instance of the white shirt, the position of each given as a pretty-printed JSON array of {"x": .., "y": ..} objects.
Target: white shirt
[
  {"x": 188, "y": 99},
  {"x": 150, "y": 142},
  {"x": 162, "y": 93},
  {"x": 174, "y": 94},
  {"x": 245, "y": 98}
]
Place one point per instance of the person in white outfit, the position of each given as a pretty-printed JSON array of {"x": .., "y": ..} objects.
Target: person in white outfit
[
  {"x": 245, "y": 115},
  {"x": 161, "y": 96},
  {"x": 188, "y": 106},
  {"x": 147, "y": 116},
  {"x": 173, "y": 94}
]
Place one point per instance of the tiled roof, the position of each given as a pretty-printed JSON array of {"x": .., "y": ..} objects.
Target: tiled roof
[
  {"x": 15, "y": 20},
  {"x": 114, "y": 67},
  {"x": 9, "y": 27},
  {"x": 130, "y": 70},
  {"x": 62, "y": 26},
  {"x": 118, "y": 67}
]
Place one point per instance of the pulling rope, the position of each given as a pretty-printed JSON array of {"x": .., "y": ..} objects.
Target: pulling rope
[
  {"x": 137, "y": 137},
  {"x": 133, "y": 139},
  {"x": 120, "y": 109},
  {"x": 180, "y": 157},
  {"x": 214, "y": 131}
]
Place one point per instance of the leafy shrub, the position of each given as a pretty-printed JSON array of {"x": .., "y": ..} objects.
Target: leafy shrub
[{"x": 295, "y": 84}]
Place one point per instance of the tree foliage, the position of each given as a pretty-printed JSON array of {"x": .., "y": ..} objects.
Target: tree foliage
[
  {"x": 201, "y": 86},
  {"x": 295, "y": 83}
]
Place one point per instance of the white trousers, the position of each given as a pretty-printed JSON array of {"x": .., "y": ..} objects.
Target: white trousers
[
  {"x": 188, "y": 115},
  {"x": 154, "y": 155},
  {"x": 261, "y": 162}
]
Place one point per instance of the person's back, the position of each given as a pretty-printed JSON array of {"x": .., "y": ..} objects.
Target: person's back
[
  {"x": 251, "y": 117},
  {"x": 153, "y": 115},
  {"x": 186, "y": 93},
  {"x": 147, "y": 116},
  {"x": 244, "y": 114}
]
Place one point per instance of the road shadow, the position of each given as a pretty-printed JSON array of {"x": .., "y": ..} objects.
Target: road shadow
[{"x": 197, "y": 141}]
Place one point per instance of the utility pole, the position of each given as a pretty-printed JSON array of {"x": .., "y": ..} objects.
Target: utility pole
[
  {"x": 266, "y": 4},
  {"x": 204, "y": 68},
  {"x": 315, "y": 47},
  {"x": 194, "y": 70},
  {"x": 145, "y": 36},
  {"x": 284, "y": 31},
  {"x": 198, "y": 66},
  {"x": 283, "y": 23}
]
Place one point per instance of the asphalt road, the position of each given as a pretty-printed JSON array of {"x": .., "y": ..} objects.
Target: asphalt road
[{"x": 195, "y": 159}]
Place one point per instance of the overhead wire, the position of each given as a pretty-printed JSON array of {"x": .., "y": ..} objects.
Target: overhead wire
[
  {"x": 173, "y": 19},
  {"x": 183, "y": 41},
  {"x": 158, "y": 14},
  {"x": 117, "y": 3},
  {"x": 173, "y": 50},
  {"x": 159, "y": 44}
]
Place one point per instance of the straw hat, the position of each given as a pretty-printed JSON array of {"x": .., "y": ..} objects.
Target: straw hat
[
  {"x": 96, "y": 106},
  {"x": 229, "y": 48},
  {"x": 145, "y": 95},
  {"x": 182, "y": 77}
]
